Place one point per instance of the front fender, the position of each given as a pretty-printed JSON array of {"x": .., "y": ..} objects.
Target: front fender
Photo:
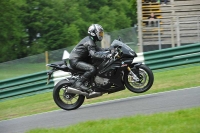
[
  {"x": 136, "y": 65},
  {"x": 135, "y": 68}
]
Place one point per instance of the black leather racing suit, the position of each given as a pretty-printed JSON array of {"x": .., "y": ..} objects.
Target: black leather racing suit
[{"x": 84, "y": 51}]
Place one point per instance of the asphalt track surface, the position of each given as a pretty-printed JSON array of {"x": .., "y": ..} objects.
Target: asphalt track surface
[{"x": 146, "y": 104}]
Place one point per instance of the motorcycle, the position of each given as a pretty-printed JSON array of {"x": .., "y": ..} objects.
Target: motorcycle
[{"x": 113, "y": 74}]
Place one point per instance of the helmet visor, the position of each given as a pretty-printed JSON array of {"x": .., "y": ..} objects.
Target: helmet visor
[{"x": 101, "y": 33}]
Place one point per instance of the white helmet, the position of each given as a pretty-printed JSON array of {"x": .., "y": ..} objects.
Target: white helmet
[{"x": 96, "y": 30}]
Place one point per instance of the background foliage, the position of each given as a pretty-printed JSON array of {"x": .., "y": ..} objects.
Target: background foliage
[{"x": 31, "y": 27}]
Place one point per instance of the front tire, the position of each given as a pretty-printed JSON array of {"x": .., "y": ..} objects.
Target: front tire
[
  {"x": 64, "y": 100},
  {"x": 146, "y": 79}
]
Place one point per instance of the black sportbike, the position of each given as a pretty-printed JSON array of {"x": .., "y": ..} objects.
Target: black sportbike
[{"x": 114, "y": 74}]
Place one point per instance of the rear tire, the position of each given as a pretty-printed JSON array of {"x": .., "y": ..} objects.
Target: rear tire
[
  {"x": 144, "y": 84},
  {"x": 64, "y": 100}
]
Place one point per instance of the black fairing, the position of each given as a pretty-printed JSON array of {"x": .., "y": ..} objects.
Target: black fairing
[
  {"x": 112, "y": 69},
  {"x": 125, "y": 49}
]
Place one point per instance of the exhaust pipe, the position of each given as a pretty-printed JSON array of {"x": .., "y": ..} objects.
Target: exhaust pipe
[
  {"x": 75, "y": 91},
  {"x": 88, "y": 95}
]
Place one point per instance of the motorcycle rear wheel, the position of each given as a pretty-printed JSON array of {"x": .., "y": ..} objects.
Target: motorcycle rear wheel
[
  {"x": 146, "y": 79},
  {"x": 64, "y": 100}
]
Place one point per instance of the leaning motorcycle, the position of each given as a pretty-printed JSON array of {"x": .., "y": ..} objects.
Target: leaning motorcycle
[{"x": 114, "y": 74}]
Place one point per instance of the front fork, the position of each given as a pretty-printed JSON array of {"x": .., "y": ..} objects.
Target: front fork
[{"x": 135, "y": 77}]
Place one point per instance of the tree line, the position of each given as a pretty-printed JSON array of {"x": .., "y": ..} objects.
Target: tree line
[{"x": 31, "y": 27}]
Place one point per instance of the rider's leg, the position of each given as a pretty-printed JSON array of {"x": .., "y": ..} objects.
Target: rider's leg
[{"x": 89, "y": 72}]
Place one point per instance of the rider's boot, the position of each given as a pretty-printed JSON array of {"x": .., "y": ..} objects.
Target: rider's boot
[{"x": 79, "y": 84}]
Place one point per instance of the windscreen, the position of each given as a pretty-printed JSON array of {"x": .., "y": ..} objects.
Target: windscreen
[{"x": 117, "y": 43}]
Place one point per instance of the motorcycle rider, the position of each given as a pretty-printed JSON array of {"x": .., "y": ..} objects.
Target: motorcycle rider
[{"x": 84, "y": 51}]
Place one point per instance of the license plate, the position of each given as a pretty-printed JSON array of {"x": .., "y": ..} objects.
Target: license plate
[
  {"x": 48, "y": 80},
  {"x": 49, "y": 76}
]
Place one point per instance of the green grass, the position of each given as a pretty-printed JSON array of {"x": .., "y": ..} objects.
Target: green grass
[
  {"x": 164, "y": 80},
  {"x": 182, "y": 121}
]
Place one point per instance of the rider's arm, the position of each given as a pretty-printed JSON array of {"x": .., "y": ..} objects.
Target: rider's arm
[
  {"x": 93, "y": 51},
  {"x": 97, "y": 54},
  {"x": 103, "y": 49}
]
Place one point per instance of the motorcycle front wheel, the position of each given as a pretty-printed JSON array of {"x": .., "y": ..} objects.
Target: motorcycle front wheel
[
  {"x": 146, "y": 79},
  {"x": 64, "y": 100}
]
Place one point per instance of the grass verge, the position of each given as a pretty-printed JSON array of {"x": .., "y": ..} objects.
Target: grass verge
[
  {"x": 182, "y": 121},
  {"x": 165, "y": 80}
]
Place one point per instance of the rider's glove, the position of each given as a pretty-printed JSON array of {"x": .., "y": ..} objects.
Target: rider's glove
[{"x": 109, "y": 56}]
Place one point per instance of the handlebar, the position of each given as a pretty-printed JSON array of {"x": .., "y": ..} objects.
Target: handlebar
[{"x": 115, "y": 53}]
